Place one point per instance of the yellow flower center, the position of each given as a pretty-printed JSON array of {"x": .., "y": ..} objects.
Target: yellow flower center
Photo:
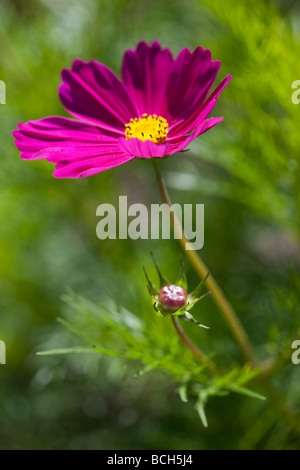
[{"x": 152, "y": 127}]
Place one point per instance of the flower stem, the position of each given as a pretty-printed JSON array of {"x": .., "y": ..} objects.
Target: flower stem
[
  {"x": 195, "y": 350},
  {"x": 223, "y": 304}
]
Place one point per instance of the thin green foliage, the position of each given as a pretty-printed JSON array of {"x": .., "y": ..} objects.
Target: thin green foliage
[{"x": 122, "y": 333}]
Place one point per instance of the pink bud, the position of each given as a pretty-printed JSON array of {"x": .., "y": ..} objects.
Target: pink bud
[{"x": 172, "y": 297}]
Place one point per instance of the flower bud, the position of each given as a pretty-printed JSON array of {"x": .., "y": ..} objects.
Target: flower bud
[{"x": 172, "y": 297}]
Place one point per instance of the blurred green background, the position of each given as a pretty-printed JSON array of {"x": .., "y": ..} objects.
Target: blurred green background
[{"x": 245, "y": 171}]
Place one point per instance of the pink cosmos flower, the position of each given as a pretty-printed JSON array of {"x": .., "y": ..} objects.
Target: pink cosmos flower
[{"x": 158, "y": 108}]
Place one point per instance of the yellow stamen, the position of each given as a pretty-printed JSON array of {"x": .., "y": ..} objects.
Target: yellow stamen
[{"x": 152, "y": 127}]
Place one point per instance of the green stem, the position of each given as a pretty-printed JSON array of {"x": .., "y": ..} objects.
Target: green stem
[
  {"x": 195, "y": 350},
  {"x": 224, "y": 306}
]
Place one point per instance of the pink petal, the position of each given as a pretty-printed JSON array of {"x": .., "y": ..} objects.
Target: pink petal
[
  {"x": 147, "y": 149},
  {"x": 191, "y": 76},
  {"x": 186, "y": 125},
  {"x": 94, "y": 93},
  {"x": 145, "y": 74},
  {"x": 76, "y": 147},
  {"x": 56, "y": 131},
  {"x": 204, "y": 126},
  {"x": 88, "y": 167},
  {"x": 189, "y": 126}
]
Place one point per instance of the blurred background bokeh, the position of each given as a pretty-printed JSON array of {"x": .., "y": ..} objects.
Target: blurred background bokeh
[{"x": 245, "y": 171}]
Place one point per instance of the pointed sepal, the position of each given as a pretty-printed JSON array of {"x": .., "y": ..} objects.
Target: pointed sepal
[
  {"x": 151, "y": 287},
  {"x": 196, "y": 292},
  {"x": 187, "y": 316},
  {"x": 163, "y": 281},
  {"x": 181, "y": 278},
  {"x": 192, "y": 301}
]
